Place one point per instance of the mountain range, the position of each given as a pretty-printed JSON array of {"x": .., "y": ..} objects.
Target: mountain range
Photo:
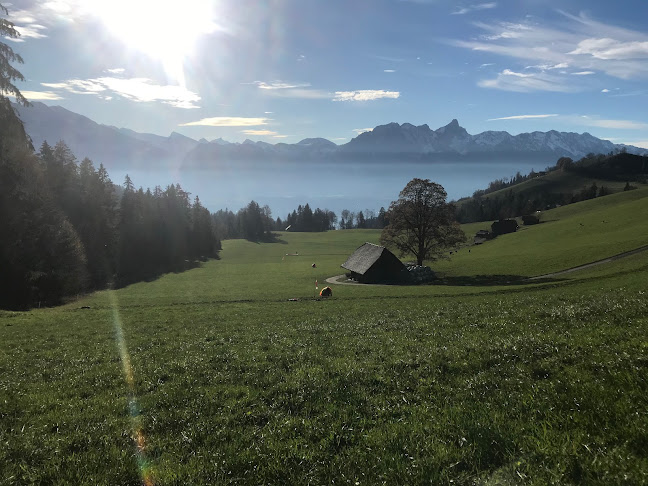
[{"x": 123, "y": 148}]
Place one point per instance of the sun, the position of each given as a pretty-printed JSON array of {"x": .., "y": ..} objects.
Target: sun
[{"x": 162, "y": 30}]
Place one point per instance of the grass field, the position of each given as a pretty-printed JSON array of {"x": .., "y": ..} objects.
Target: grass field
[{"x": 213, "y": 376}]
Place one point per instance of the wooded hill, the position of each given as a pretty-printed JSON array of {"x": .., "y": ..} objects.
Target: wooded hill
[{"x": 565, "y": 183}]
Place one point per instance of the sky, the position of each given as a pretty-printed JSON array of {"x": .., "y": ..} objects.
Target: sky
[{"x": 285, "y": 70}]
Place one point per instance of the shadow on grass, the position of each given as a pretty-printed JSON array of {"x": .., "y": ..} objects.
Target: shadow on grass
[
  {"x": 489, "y": 280},
  {"x": 151, "y": 275},
  {"x": 271, "y": 238}
]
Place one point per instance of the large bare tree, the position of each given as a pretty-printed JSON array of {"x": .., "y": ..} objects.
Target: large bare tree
[{"x": 421, "y": 222}]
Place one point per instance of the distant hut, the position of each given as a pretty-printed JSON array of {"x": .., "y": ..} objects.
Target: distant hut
[
  {"x": 504, "y": 226},
  {"x": 481, "y": 236},
  {"x": 529, "y": 219},
  {"x": 374, "y": 264}
]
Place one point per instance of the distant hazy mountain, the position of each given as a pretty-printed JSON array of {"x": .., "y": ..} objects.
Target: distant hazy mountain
[
  {"x": 121, "y": 147},
  {"x": 453, "y": 139},
  {"x": 101, "y": 143}
]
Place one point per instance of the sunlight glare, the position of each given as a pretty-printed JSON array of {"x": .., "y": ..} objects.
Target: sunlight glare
[{"x": 161, "y": 31}]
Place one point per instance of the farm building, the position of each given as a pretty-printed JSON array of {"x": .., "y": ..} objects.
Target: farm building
[
  {"x": 504, "y": 226},
  {"x": 373, "y": 264},
  {"x": 481, "y": 236}
]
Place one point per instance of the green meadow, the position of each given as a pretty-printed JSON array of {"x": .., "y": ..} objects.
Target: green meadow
[{"x": 235, "y": 373}]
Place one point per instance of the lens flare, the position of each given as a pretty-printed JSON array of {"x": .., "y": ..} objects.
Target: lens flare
[{"x": 136, "y": 422}]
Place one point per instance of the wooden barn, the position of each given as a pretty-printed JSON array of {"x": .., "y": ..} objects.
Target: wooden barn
[
  {"x": 504, "y": 226},
  {"x": 374, "y": 264}
]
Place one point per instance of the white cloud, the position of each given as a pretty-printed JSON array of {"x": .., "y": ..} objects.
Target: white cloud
[
  {"x": 605, "y": 90},
  {"x": 362, "y": 130},
  {"x": 612, "y": 49},
  {"x": 116, "y": 70},
  {"x": 364, "y": 95},
  {"x": 227, "y": 121},
  {"x": 134, "y": 89},
  {"x": 472, "y": 8},
  {"x": 389, "y": 70},
  {"x": 509, "y": 80},
  {"x": 41, "y": 95},
  {"x": 522, "y": 117},
  {"x": 279, "y": 85},
  {"x": 259, "y": 133},
  {"x": 583, "y": 73},
  {"x": 29, "y": 31},
  {"x": 78, "y": 86},
  {"x": 615, "y": 124},
  {"x": 281, "y": 89},
  {"x": 583, "y": 121},
  {"x": 578, "y": 42},
  {"x": 33, "y": 22}
]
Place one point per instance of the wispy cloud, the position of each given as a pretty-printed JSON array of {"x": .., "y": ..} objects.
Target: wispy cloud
[
  {"x": 605, "y": 90},
  {"x": 583, "y": 73},
  {"x": 509, "y": 80},
  {"x": 282, "y": 89},
  {"x": 365, "y": 95},
  {"x": 591, "y": 121},
  {"x": 280, "y": 85},
  {"x": 134, "y": 89},
  {"x": 41, "y": 95},
  {"x": 476, "y": 7},
  {"x": 259, "y": 133},
  {"x": 362, "y": 130},
  {"x": 578, "y": 42},
  {"x": 33, "y": 22},
  {"x": 227, "y": 121},
  {"x": 116, "y": 71},
  {"x": 78, "y": 86},
  {"x": 612, "y": 49},
  {"x": 522, "y": 117},
  {"x": 583, "y": 121},
  {"x": 29, "y": 31}
]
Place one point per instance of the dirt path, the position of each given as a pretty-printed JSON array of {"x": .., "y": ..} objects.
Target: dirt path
[
  {"x": 334, "y": 280},
  {"x": 593, "y": 264}
]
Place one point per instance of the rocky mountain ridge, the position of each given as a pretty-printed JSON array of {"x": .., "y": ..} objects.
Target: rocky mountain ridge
[{"x": 122, "y": 147}]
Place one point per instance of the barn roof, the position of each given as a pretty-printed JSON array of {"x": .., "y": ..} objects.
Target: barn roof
[{"x": 364, "y": 257}]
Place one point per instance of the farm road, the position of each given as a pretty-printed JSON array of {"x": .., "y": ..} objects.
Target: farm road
[{"x": 592, "y": 264}]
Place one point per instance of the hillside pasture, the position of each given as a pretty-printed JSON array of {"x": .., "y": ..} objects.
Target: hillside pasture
[
  {"x": 213, "y": 376},
  {"x": 567, "y": 237}
]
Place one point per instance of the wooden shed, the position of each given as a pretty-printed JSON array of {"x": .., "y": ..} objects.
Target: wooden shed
[
  {"x": 504, "y": 226},
  {"x": 374, "y": 264}
]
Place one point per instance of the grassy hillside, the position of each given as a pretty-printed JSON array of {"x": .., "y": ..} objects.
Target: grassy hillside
[
  {"x": 558, "y": 187},
  {"x": 213, "y": 376},
  {"x": 568, "y": 236}
]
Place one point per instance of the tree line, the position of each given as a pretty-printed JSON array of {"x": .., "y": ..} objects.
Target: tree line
[
  {"x": 67, "y": 231},
  {"x": 255, "y": 222}
]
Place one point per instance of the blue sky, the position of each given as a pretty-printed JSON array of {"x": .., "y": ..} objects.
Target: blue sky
[{"x": 282, "y": 71}]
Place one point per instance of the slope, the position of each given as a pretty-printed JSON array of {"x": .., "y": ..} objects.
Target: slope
[{"x": 569, "y": 236}]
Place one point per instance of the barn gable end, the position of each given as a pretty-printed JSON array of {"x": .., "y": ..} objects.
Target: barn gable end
[{"x": 373, "y": 264}]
